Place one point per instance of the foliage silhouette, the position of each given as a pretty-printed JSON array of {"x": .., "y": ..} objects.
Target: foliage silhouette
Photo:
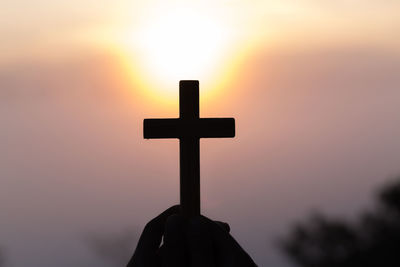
[{"x": 372, "y": 241}]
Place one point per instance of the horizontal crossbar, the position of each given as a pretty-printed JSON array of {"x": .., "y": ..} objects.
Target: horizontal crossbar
[{"x": 187, "y": 128}]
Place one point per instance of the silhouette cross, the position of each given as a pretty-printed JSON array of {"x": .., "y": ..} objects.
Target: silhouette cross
[{"x": 189, "y": 128}]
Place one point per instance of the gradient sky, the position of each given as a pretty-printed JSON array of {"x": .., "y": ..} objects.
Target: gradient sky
[{"x": 313, "y": 85}]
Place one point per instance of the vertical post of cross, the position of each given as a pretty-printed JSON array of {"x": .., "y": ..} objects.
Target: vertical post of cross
[{"x": 189, "y": 145}]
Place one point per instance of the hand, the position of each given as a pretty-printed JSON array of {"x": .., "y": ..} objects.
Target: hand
[{"x": 195, "y": 242}]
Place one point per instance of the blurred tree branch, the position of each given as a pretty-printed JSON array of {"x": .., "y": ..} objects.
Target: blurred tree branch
[{"x": 374, "y": 240}]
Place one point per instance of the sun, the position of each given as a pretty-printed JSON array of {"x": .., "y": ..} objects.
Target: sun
[{"x": 179, "y": 44}]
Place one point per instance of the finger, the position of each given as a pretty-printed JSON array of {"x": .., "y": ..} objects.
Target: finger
[
  {"x": 173, "y": 254},
  {"x": 153, "y": 231},
  {"x": 200, "y": 243},
  {"x": 224, "y": 226},
  {"x": 218, "y": 231},
  {"x": 226, "y": 250},
  {"x": 150, "y": 239}
]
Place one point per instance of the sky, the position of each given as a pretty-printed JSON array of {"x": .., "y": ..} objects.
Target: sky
[{"x": 313, "y": 86}]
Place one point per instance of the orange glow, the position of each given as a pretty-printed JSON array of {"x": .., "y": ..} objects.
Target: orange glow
[{"x": 145, "y": 84}]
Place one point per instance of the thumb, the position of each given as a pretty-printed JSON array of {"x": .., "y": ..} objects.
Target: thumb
[{"x": 150, "y": 239}]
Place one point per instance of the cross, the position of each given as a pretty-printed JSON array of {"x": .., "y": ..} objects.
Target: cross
[{"x": 189, "y": 128}]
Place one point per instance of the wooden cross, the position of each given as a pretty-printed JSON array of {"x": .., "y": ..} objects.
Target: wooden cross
[{"x": 189, "y": 128}]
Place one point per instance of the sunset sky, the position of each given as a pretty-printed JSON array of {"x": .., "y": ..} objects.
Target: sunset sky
[{"x": 314, "y": 87}]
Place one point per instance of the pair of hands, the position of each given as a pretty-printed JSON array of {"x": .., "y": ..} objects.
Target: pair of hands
[{"x": 170, "y": 240}]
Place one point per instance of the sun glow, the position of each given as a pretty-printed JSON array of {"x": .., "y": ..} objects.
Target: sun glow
[{"x": 179, "y": 44}]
